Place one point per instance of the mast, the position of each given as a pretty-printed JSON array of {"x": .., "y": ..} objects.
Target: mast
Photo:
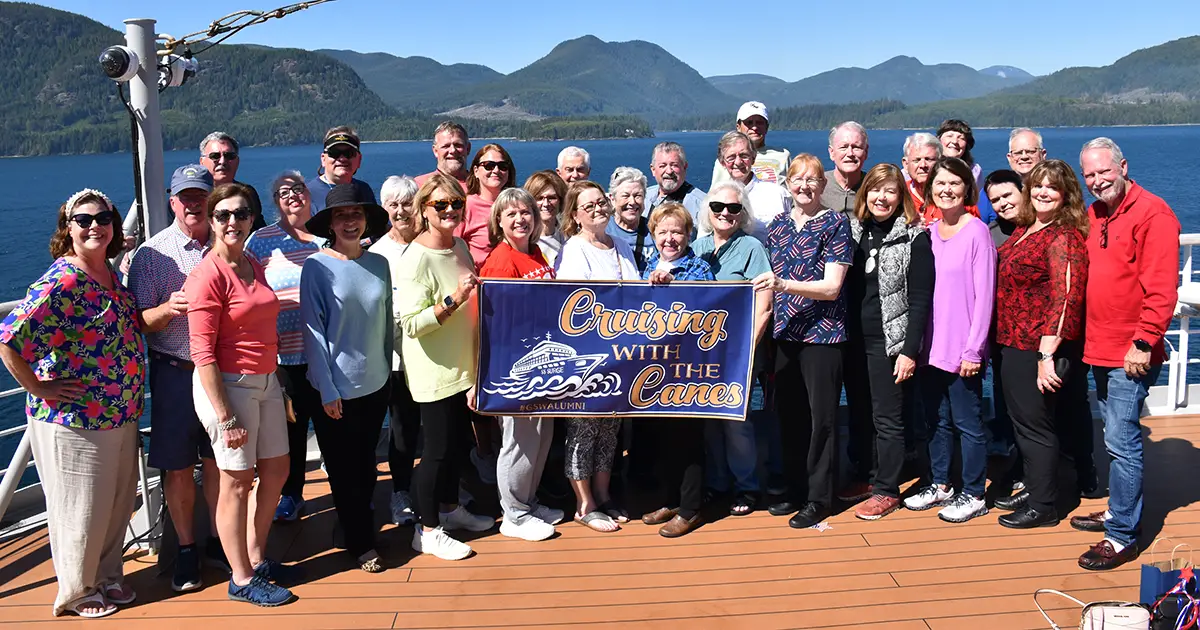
[{"x": 143, "y": 98}]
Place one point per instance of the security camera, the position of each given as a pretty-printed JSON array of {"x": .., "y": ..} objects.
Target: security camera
[
  {"x": 119, "y": 63},
  {"x": 175, "y": 71}
]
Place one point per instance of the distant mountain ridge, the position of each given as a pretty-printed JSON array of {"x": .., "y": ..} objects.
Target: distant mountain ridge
[{"x": 412, "y": 82}]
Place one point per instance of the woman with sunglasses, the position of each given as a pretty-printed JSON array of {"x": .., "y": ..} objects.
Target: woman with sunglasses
[
  {"x": 84, "y": 400},
  {"x": 435, "y": 306},
  {"x": 735, "y": 256},
  {"x": 281, "y": 248},
  {"x": 232, "y": 314},
  {"x": 592, "y": 254}
]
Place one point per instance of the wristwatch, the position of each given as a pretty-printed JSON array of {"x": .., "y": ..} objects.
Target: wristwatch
[
  {"x": 1142, "y": 345},
  {"x": 1045, "y": 356},
  {"x": 449, "y": 303}
]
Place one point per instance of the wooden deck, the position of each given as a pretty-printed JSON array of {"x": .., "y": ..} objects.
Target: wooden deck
[{"x": 907, "y": 571}]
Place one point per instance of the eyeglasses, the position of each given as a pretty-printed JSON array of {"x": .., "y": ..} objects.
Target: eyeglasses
[
  {"x": 84, "y": 220},
  {"x": 337, "y": 154},
  {"x": 731, "y": 159},
  {"x": 491, "y": 166},
  {"x": 811, "y": 181},
  {"x": 241, "y": 214},
  {"x": 597, "y": 207},
  {"x": 228, "y": 155},
  {"x": 732, "y": 208},
  {"x": 294, "y": 190},
  {"x": 442, "y": 204},
  {"x": 1025, "y": 152}
]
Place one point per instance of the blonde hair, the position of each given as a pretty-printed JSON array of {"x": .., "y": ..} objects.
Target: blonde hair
[
  {"x": 671, "y": 210},
  {"x": 437, "y": 181},
  {"x": 508, "y": 198},
  {"x": 570, "y": 226},
  {"x": 806, "y": 162}
]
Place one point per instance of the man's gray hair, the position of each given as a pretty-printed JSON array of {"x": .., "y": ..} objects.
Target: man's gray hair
[
  {"x": 922, "y": 139},
  {"x": 451, "y": 126},
  {"x": 668, "y": 147},
  {"x": 402, "y": 188},
  {"x": 574, "y": 152},
  {"x": 217, "y": 136},
  {"x": 849, "y": 124},
  {"x": 288, "y": 175},
  {"x": 729, "y": 139},
  {"x": 624, "y": 175},
  {"x": 704, "y": 224},
  {"x": 1103, "y": 143},
  {"x": 1020, "y": 130}
]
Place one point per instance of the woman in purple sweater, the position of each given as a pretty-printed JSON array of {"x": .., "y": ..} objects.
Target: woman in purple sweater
[{"x": 951, "y": 379}]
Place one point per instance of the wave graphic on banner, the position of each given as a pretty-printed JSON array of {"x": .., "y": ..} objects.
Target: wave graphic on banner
[{"x": 555, "y": 371}]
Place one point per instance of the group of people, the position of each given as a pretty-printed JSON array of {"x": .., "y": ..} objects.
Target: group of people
[{"x": 898, "y": 283}]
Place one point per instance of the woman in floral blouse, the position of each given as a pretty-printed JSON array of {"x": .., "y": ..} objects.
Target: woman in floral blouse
[{"x": 74, "y": 345}]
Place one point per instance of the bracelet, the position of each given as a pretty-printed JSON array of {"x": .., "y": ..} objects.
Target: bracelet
[{"x": 231, "y": 423}]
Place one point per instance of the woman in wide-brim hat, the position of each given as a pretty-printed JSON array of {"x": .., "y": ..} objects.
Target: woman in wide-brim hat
[{"x": 347, "y": 315}]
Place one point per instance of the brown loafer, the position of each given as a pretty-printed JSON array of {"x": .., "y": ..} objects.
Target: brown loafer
[
  {"x": 659, "y": 516},
  {"x": 678, "y": 526},
  {"x": 1093, "y": 522},
  {"x": 1102, "y": 556}
]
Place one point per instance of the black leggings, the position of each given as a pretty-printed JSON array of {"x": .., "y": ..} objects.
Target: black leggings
[
  {"x": 306, "y": 404},
  {"x": 807, "y": 388},
  {"x": 444, "y": 424},
  {"x": 877, "y": 417},
  {"x": 348, "y": 446},
  {"x": 404, "y": 419}
]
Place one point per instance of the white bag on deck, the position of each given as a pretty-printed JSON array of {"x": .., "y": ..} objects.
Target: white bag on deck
[{"x": 1109, "y": 615}]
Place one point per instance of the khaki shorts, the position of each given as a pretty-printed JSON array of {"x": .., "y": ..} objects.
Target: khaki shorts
[{"x": 257, "y": 401}]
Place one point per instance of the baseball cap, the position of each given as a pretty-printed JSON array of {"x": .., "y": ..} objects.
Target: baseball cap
[
  {"x": 752, "y": 108},
  {"x": 191, "y": 176},
  {"x": 348, "y": 138}
]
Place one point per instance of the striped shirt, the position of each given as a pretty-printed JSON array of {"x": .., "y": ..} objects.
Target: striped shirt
[
  {"x": 158, "y": 269},
  {"x": 282, "y": 258}
]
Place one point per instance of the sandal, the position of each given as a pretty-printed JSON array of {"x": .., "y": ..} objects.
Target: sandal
[
  {"x": 596, "y": 516},
  {"x": 614, "y": 511},
  {"x": 743, "y": 504},
  {"x": 95, "y": 598},
  {"x": 370, "y": 562},
  {"x": 120, "y": 598}
]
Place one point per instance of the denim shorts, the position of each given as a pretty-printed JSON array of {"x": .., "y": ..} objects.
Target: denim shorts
[{"x": 177, "y": 439}]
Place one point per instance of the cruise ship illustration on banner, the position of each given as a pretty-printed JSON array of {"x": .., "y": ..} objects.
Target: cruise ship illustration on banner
[{"x": 551, "y": 358}]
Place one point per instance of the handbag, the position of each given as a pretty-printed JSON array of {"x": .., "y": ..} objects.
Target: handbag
[
  {"x": 1104, "y": 615},
  {"x": 1160, "y": 576},
  {"x": 1177, "y": 609}
]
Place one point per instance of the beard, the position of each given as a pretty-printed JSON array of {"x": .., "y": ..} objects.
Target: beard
[{"x": 669, "y": 185}]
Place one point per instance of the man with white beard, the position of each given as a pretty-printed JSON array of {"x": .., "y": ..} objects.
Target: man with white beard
[{"x": 669, "y": 165}]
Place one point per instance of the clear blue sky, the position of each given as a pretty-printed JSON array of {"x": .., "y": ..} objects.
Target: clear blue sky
[{"x": 1040, "y": 36}]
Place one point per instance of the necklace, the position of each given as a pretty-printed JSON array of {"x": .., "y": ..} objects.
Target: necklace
[{"x": 870, "y": 266}]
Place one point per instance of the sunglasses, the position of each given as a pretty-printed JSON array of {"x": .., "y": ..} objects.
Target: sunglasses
[
  {"x": 491, "y": 166},
  {"x": 241, "y": 214},
  {"x": 732, "y": 208},
  {"x": 228, "y": 155},
  {"x": 337, "y": 154},
  {"x": 441, "y": 206},
  {"x": 85, "y": 220}
]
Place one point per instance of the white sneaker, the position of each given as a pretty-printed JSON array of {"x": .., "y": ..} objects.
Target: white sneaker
[
  {"x": 548, "y": 514},
  {"x": 533, "y": 529},
  {"x": 486, "y": 466},
  {"x": 464, "y": 496},
  {"x": 402, "y": 513},
  {"x": 460, "y": 518},
  {"x": 929, "y": 496},
  {"x": 437, "y": 542},
  {"x": 962, "y": 508}
]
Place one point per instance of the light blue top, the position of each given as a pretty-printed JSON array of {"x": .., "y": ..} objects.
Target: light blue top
[
  {"x": 691, "y": 197},
  {"x": 347, "y": 315},
  {"x": 742, "y": 257}
]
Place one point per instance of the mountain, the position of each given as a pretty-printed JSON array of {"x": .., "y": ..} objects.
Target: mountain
[
  {"x": 1008, "y": 72},
  {"x": 587, "y": 76},
  {"x": 1167, "y": 72},
  {"x": 412, "y": 83},
  {"x": 747, "y": 86}
]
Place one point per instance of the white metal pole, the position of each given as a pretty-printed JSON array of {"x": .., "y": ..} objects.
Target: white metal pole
[
  {"x": 12, "y": 476},
  {"x": 143, "y": 97}
]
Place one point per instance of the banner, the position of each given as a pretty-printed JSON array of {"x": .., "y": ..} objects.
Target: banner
[{"x": 565, "y": 348}]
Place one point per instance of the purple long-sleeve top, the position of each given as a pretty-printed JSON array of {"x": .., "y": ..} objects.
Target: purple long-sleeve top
[{"x": 964, "y": 293}]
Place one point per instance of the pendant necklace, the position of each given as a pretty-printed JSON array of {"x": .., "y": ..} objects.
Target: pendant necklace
[{"x": 870, "y": 266}]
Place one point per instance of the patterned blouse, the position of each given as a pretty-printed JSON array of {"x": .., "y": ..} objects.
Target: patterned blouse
[
  {"x": 801, "y": 255},
  {"x": 687, "y": 267},
  {"x": 70, "y": 326},
  {"x": 1040, "y": 280}
]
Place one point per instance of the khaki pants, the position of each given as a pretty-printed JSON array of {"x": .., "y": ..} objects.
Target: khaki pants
[{"x": 90, "y": 480}]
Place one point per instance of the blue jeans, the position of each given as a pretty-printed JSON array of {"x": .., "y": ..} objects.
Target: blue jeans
[
  {"x": 954, "y": 403},
  {"x": 1121, "y": 397},
  {"x": 732, "y": 448}
]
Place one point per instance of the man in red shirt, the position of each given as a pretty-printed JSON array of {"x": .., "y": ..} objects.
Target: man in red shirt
[
  {"x": 1133, "y": 251},
  {"x": 452, "y": 148}
]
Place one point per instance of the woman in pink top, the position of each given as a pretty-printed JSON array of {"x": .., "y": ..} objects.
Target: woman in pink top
[
  {"x": 231, "y": 319},
  {"x": 956, "y": 342}
]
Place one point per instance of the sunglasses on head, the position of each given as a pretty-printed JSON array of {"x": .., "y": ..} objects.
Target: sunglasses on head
[
  {"x": 491, "y": 166},
  {"x": 339, "y": 153},
  {"x": 84, "y": 220},
  {"x": 228, "y": 155},
  {"x": 241, "y": 214},
  {"x": 731, "y": 208},
  {"x": 441, "y": 205}
]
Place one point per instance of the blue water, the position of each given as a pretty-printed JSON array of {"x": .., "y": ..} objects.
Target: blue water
[{"x": 1159, "y": 158}]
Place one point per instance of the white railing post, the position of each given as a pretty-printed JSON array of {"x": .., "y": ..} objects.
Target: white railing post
[{"x": 16, "y": 470}]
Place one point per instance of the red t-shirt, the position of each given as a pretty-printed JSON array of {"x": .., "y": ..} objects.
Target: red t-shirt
[
  {"x": 506, "y": 262},
  {"x": 230, "y": 322}
]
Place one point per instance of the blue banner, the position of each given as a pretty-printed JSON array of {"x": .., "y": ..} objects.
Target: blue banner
[{"x": 564, "y": 348}]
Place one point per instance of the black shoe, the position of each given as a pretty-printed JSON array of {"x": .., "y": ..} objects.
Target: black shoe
[
  {"x": 214, "y": 555},
  {"x": 1014, "y": 502},
  {"x": 1089, "y": 488},
  {"x": 811, "y": 514},
  {"x": 783, "y": 508},
  {"x": 187, "y": 570},
  {"x": 1028, "y": 518}
]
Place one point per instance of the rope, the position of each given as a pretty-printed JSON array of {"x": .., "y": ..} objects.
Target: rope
[{"x": 231, "y": 25}]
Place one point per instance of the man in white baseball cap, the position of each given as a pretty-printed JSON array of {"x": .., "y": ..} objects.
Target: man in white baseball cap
[{"x": 770, "y": 163}]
